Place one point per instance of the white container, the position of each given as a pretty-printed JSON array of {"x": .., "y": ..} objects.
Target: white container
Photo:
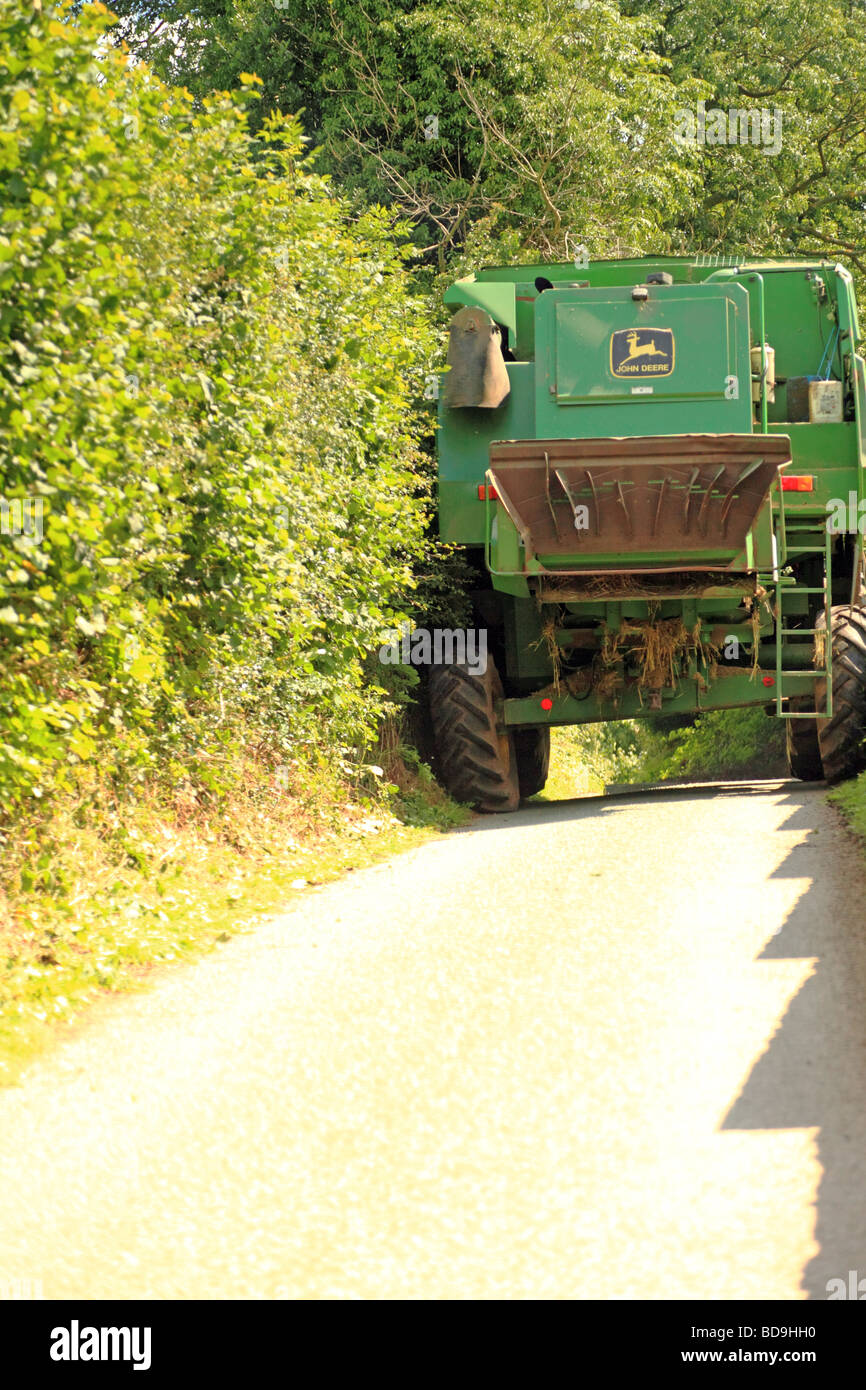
[
  {"x": 755, "y": 358},
  {"x": 825, "y": 402}
]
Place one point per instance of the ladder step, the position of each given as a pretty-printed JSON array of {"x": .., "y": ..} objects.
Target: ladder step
[{"x": 804, "y": 714}]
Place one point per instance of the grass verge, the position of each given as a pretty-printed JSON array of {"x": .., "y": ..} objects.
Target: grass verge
[
  {"x": 120, "y": 891},
  {"x": 850, "y": 798}
]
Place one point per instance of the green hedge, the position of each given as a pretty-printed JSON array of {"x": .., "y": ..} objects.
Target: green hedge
[
  {"x": 737, "y": 743},
  {"x": 210, "y": 373}
]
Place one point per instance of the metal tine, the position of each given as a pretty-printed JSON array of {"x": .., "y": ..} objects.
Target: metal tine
[
  {"x": 567, "y": 490},
  {"x": 729, "y": 496},
  {"x": 502, "y": 494},
  {"x": 659, "y": 503},
  {"x": 547, "y": 490},
  {"x": 707, "y": 495},
  {"x": 595, "y": 502},
  {"x": 624, "y": 506},
  {"x": 692, "y": 480}
]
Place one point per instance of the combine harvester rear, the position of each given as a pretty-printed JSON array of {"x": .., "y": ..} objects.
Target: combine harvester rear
[{"x": 656, "y": 470}]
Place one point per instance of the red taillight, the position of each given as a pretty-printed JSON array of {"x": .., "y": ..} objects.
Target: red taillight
[
  {"x": 547, "y": 704},
  {"x": 798, "y": 483},
  {"x": 486, "y": 491}
]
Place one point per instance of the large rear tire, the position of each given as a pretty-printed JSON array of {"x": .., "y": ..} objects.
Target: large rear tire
[
  {"x": 477, "y": 761},
  {"x": 801, "y": 745},
  {"x": 841, "y": 737},
  {"x": 532, "y": 747}
]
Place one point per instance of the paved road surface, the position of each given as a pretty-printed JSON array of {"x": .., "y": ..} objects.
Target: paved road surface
[{"x": 609, "y": 1048}]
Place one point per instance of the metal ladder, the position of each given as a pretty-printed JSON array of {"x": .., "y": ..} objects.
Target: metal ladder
[{"x": 787, "y": 585}]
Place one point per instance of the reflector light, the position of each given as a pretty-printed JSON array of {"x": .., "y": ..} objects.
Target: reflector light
[
  {"x": 798, "y": 483},
  {"x": 547, "y": 704},
  {"x": 769, "y": 680},
  {"x": 486, "y": 491}
]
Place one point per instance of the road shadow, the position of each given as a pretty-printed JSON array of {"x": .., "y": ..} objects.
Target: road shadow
[
  {"x": 616, "y": 797},
  {"x": 813, "y": 1073}
]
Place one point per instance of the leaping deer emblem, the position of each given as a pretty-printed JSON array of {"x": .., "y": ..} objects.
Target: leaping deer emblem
[{"x": 646, "y": 350}]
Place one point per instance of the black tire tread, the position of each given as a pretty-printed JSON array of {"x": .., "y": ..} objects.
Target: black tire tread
[
  {"x": 801, "y": 746},
  {"x": 468, "y": 745},
  {"x": 532, "y": 747},
  {"x": 841, "y": 737}
]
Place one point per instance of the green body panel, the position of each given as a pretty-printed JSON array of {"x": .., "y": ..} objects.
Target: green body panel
[
  {"x": 604, "y": 356},
  {"x": 728, "y": 689},
  {"x": 464, "y": 448},
  {"x": 578, "y": 394},
  {"x": 497, "y": 299}
]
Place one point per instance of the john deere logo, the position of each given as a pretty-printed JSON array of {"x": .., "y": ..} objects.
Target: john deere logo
[{"x": 642, "y": 352}]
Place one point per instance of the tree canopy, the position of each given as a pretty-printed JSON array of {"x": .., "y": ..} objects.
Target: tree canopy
[{"x": 553, "y": 123}]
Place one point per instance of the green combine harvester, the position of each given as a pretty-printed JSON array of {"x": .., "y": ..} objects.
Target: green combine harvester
[{"x": 656, "y": 469}]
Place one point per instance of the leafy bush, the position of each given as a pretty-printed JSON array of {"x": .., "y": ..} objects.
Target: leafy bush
[
  {"x": 720, "y": 743},
  {"x": 717, "y": 744},
  {"x": 209, "y": 376},
  {"x": 586, "y": 757}
]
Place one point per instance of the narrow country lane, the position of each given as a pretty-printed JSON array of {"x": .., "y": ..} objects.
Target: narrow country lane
[{"x": 609, "y": 1048}]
